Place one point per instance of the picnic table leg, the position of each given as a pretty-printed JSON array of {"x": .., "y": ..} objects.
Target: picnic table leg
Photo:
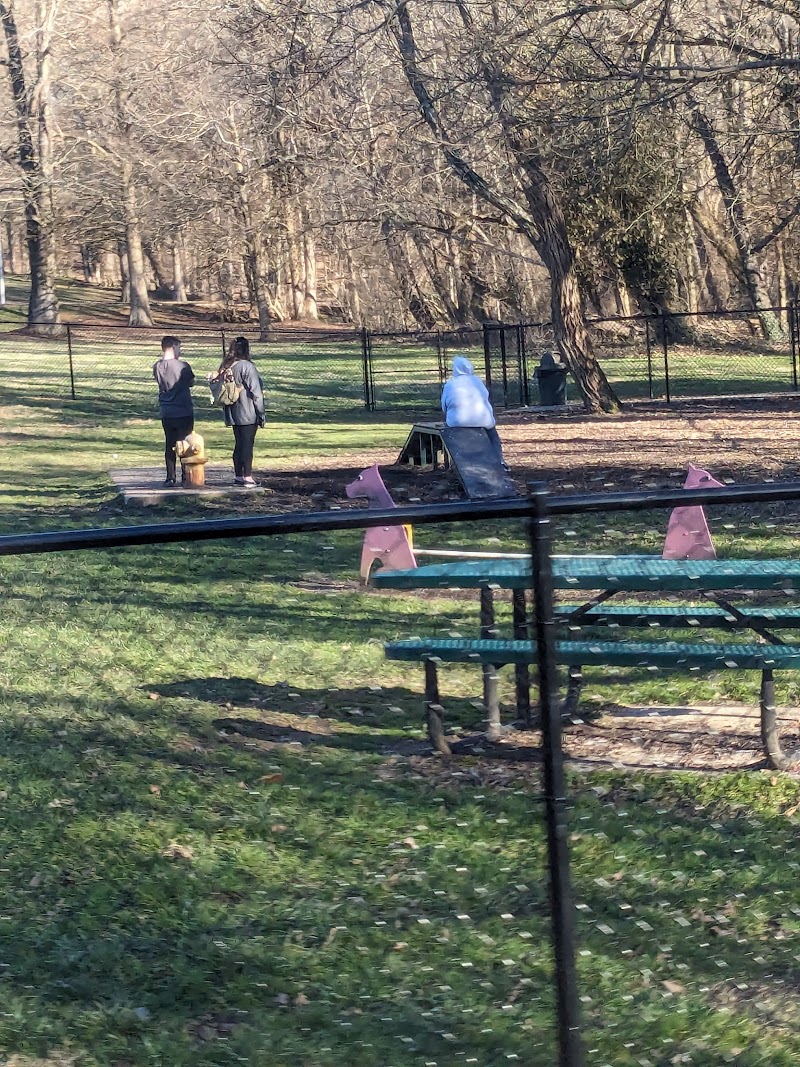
[
  {"x": 490, "y": 699},
  {"x": 433, "y": 710},
  {"x": 521, "y": 672},
  {"x": 569, "y": 706},
  {"x": 770, "y": 738}
]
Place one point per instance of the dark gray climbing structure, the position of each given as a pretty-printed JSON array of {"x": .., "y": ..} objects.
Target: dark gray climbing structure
[{"x": 468, "y": 451}]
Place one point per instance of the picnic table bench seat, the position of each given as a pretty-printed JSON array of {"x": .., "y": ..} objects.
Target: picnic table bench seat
[
  {"x": 677, "y": 615},
  {"x": 601, "y": 653},
  {"x": 650, "y": 654}
]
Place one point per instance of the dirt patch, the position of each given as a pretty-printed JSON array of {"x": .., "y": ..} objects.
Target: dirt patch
[
  {"x": 717, "y": 738},
  {"x": 648, "y": 446}
]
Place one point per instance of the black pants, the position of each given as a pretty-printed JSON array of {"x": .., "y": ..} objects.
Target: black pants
[
  {"x": 174, "y": 430},
  {"x": 245, "y": 438}
]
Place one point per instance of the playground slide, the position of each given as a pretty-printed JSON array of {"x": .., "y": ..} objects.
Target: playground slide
[
  {"x": 471, "y": 455},
  {"x": 476, "y": 463}
]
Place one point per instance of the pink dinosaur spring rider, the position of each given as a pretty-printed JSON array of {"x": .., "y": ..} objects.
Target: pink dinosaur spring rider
[
  {"x": 688, "y": 536},
  {"x": 390, "y": 545}
]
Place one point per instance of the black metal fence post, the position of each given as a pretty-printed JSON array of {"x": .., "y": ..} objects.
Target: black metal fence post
[
  {"x": 649, "y": 358},
  {"x": 793, "y": 323},
  {"x": 369, "y": 376},
  {"x": 370, "y": 372},
  {"x": 224, "y": 351},
  {"x": 365, "y": 365},
  {"x": 665, "y": 347},
  {"x": 561, "y": 903},
  {"x": 440, "y": 356},
  {"x": 504, "y": 364},
  {"x": 523, "y": 362},
  {"x": 487, "y": 356},
  {"x": 71, "y": 364}
]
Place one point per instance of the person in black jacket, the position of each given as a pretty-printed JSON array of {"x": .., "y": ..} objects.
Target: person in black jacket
[
  {"x": 247, "y": 413},
  {"x": 175, "y": 378}
]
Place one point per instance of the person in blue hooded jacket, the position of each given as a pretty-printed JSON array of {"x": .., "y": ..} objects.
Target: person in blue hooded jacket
[{"x": 465, "y": 402}]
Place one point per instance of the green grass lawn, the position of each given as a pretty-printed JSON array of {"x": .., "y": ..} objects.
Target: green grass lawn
[{"x": 214, "y": 848}]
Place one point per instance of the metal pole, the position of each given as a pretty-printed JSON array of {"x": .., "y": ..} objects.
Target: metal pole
[
  {"x": 71, "y": 367},
  {"x": 665, "y": 346},
  {"x": 487, "y": 357},
  {"x": 649, "y": 358},
  {"x": 504, "y": 365},
  {"x": 793, "y": 335},
  {"x": 491, "y": 701},
  {"x": 521, "y": 671},
  {"x": 370, "y": 372},
  {"x": 562, "y": 908},
  {"x": 364, "y": 365},
  {"x": 2, "y": 273},
  {"x": 523, "y": 355},
  {"x": 440, "y": 358},
  {"x": 519, "y": 368}
]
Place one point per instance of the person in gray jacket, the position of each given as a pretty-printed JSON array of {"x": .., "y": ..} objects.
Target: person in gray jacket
[{"x": 247, "y": 413}]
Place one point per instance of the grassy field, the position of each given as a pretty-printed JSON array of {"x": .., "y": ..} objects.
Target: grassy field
[{"x": 223, "y": 841}]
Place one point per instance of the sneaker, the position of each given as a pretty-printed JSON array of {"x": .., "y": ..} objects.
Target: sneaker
[
  {"x": 169, "y": 482},
  {"x": 238, "y": 481},
  {"x": 250, "y": 482}
]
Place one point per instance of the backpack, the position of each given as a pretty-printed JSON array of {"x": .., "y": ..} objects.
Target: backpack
[{"x": 224, "y": 389}]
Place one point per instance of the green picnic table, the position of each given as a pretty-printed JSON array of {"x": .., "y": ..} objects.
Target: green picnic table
[
  {"x": 712, "y": 581},
  {"x": 614, "y": 573}
]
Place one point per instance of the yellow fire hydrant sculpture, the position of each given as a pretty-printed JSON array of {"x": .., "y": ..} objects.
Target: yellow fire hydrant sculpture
[{"x": 192, "y": 454}]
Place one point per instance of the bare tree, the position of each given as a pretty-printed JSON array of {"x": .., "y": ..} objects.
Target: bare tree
[{"x": 34, "y": 156}]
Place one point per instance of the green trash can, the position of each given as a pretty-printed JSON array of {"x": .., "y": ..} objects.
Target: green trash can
[{"x": 551, "y": 380}]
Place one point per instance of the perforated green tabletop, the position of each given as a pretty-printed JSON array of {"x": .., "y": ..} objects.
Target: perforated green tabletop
[{"x": 624, "y": 573}]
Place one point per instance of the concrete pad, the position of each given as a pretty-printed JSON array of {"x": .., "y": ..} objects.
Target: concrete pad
[{"x": 145, "y": 485}]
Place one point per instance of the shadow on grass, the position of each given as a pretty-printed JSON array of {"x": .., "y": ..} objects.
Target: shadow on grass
[{"x": 378, "y": 714}]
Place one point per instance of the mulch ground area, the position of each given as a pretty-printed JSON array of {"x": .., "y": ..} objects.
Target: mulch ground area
[{"x": 648, "y": 446}]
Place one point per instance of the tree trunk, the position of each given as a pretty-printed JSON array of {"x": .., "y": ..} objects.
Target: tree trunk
[
  {"x": 12, "y": 256},
  {"x": 622, "y": 298},
  {"x": 34, "y": 157},
  {"x": 310, "y": 306},
  {"x": 412, "y": 295},
  {"x": 294, "y": 258},
  {"x": 90, "y": 262},
  {"x": 350, "y": 276},
  {"x": 140, "y": 314},
  {"x": 124, "y": 274},
  {"x": 161, "y": 269},
  {"x": 693, "y": 273},
  {"x": 254, "y": 255},
  {"x": 783, "y": 282},
  {"x": 437, "y": 277},
  {"x": 736, "y": 212},
  {"x": 108, "y": 269},
  {"x": 177, "y": 271}
]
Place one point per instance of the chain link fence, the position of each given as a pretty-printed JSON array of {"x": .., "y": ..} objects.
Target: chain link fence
[{"x": 105, "y": 369}]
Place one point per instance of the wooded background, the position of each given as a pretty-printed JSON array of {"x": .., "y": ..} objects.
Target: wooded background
[{"x": 414, "y": 164}]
